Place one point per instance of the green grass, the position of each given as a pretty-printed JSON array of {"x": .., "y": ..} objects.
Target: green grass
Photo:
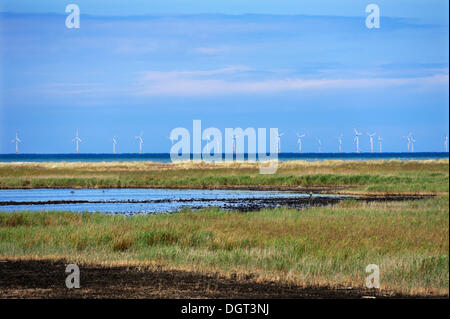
[
  {"x": 368, "y": 176},
  {"x": 317, "y": 246}
]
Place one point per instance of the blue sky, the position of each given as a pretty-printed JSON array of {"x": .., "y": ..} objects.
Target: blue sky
[{"x": 306, "y": 66}]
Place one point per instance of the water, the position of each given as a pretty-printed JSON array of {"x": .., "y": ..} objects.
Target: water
[
  {"x": 165, "y": 157},
  {"x": 136, "y": 201}
]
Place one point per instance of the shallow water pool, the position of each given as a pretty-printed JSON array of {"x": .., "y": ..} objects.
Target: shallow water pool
[{"x": 140, "y": 201}]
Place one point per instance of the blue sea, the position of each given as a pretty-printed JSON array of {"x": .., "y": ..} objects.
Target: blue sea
[{"x": 165, "y": 157}]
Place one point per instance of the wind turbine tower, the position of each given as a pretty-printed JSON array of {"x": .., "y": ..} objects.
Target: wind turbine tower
[
  {"x": 356, "y": 139},
  {"x": 412, "y": 141},
  {"x": 208, "y": 140},
  {"x": 279, "y": 141},
  {"x": 114, "y": 140},
  {"x": 320, "y": 145},
  {"x": 77, "y": 140},
  {"x": 446, "y": 143},
  {"x": 340, "y": 142},
  {"x": 235, "y": 136},
  {"x": 371, "y": 140},
  {"x": 140, "y": 141},
  {"x": 17, "y": 141},
  {"x": 299, "y": 141},
  {"x": 409, "y": 142},
  {"x": 380, "y": 142}
]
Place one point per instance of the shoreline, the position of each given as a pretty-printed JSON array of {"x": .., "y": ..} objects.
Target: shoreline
[{"x": 318, "y": 190}]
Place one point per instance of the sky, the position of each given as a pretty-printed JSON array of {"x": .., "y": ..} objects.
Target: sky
[{"x": 151, "y": 66}]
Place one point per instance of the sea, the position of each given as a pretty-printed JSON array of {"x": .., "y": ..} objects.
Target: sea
[{"x": 165, "y": 157}]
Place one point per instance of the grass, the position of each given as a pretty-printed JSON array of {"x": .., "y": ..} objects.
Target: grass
[
  {"x": 331, "y": 246},
  {"x": 357, "y": 176},
  {"x": 317, "y": 246}
]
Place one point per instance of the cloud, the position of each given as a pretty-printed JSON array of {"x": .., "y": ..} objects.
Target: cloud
[
  {"x": 211, "y": 50},
  {"x": 159, "y": 76},
  {"x": 217, "y": 82}
]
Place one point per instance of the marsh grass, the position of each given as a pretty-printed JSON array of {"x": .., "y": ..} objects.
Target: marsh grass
[
  {"x": 360, "y": 176},
  {"x": 317, "y": 246}
]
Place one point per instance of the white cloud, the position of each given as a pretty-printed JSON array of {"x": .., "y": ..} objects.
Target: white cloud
[
  {"x": 177, "y": 75},
  {"x": 211, "y": 50},
  {"x": 195, "y": 83}
]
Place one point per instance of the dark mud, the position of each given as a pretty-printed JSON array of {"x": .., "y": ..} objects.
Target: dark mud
[
  {"x": 46, "y": 279},
  {"x": 239, "y": 204}
]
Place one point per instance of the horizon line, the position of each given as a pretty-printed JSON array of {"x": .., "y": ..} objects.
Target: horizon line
[
  {"x": 296, "y": 153},
  {"x": 150, "y": 15}
]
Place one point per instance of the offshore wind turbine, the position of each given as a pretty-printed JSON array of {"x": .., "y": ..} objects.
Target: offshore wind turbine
[
  {"x": 279, "y": 141},
  {"x": 17, "y": 141},
  {"x": 356, "y": 139},
  {"x": 412, "y": 141},
  {"x": 371, "y": 140},
  {"x": 114, "y": 140},
  {"x": 140, "y": 141},
  {"x": 446, "y": 143},
  {"x": 380, "y": 142},
  {"x": 299, "y": 141},
  {"x": 208, "y": 140},
  {"x": 340, "y": 142},
  {"x": 77, "y": 140},
  {"x": 320, "y": 145},
  {"x": 409, "y": 142},
  {"x": 235, "y": 136}
]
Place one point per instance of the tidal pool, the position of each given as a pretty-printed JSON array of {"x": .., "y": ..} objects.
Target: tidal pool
[{"x": 131, "y": 201}]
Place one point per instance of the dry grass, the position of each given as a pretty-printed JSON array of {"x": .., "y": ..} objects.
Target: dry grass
[
  {"x": 392, "y": 176},
  {"x": 332, "y": 165},
  {"x": 318, "y": 246}
]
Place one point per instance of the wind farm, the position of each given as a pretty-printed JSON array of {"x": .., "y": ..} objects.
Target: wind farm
[{"x": 410, "y": 141}]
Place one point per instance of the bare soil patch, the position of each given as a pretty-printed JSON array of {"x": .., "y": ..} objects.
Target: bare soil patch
[{"x": 46, "y": 279}]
